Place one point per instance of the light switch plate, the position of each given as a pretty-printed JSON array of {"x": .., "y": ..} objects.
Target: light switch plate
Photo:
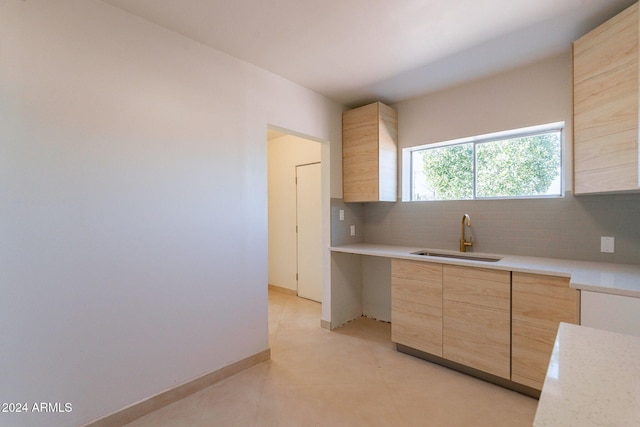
[
  {"x": 607, "y": 245},
  {"x": 341, "y": 214}
]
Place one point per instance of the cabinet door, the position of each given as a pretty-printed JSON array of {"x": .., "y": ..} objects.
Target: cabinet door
[
  {"x": 416, "y": 305},
  {"x": 605, "y": 97},
  {"x": 539, "y": 304},
  {"x": 477, "y": 318},
  {"x": 369, "y": 153}
]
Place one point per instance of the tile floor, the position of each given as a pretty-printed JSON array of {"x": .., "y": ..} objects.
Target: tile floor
[{"x": 348, "y": 377}]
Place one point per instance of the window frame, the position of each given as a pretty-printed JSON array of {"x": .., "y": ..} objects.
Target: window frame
[{"x": 407, "y": 163}]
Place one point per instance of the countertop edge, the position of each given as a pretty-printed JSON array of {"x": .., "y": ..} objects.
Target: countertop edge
[
  {"x": 615, "y": 279},
  {"x": 606, "y": 395}
]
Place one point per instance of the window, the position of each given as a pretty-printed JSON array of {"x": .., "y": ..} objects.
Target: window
[{"x": 514, "y": 164}]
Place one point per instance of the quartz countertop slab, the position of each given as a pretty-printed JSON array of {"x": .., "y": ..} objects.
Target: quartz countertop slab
[
  {"x": 593, "y": 379},
  {"x": 617, "y": 279}
]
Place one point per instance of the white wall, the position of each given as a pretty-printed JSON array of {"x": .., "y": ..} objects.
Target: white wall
[
  {"x": 284, "y": 154},
  {"x": 376, "y": 294},
  {"x": 534, "y": 94},
  {"x": 133, "y": 205}
]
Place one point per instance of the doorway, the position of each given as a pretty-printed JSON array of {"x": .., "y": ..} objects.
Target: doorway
[{"x": 287, "y": 156}]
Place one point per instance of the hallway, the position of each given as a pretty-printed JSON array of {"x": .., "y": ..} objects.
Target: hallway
[{"x": 349, "y": 377}]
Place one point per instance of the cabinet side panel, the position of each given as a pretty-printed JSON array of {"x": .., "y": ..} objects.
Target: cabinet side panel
[
  {"x": 388, "y": 145},
  {"x": 605, "y": 74}
]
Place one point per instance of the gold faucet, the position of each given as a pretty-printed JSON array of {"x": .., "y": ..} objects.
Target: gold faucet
[{"x": 463, "y": 241}]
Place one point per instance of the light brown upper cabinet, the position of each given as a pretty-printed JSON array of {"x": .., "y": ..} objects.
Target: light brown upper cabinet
[
  {"x": 370, "y": 153},
  {"x": 605, "y": 106}
]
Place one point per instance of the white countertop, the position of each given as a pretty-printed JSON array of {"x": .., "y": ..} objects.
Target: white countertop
[
  {"x": 617, "y": 279},
  {"x": 593, "y": 379}
]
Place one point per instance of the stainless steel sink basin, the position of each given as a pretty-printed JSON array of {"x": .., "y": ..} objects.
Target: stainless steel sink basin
[{"x": 458, "y": 256}]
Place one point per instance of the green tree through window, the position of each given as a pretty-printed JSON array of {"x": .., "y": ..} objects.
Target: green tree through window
[
  {"x": 521, "y": 166},
  {"x": 449, "y": 172},
  {"x": 518, "y": 167}
]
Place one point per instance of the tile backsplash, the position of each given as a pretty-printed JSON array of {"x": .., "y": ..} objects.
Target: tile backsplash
[
  {"x": 569, "y": 227},
  {"x": 340, "y": 229}
]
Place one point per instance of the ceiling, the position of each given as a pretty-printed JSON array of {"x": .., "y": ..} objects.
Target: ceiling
[{"x": 358, "y": 51}]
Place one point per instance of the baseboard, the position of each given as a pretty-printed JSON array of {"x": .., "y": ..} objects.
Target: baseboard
[
  {"x": 287, "y": 291},
  {"x": 502, "y": 382},
  {"x": 325, "y": 324},
  {"x": 160, "y": 400}
]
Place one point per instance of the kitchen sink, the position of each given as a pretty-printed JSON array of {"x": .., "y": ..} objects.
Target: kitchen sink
[{"x": 458, "y": 256}]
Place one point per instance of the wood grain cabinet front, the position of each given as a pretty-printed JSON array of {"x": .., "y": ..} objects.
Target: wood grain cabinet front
[
  {"x": 416, "y": 305},
  {"x": 539, "y": 304},
  {"x": 605, "y": 106},
  {"x": 499, "y": 322},
  {"x": 477, "y": 318},
  {"x": 370, "y": 154}
]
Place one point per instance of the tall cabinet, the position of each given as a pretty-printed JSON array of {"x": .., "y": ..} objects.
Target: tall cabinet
[
  {"x": 605, "y": 106},
  {"x": 370, "y": 154}
]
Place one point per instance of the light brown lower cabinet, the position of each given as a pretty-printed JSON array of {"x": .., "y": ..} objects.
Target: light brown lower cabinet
[
  {"x": 539, "y": 304},
  {"x": 416, "y": 305},
  {"x": 494, "y": 321},
  {"x": 477, "y": 318}
]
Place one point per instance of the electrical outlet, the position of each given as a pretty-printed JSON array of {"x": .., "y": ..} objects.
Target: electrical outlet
[
  {"x": 607, "y": 245},
  {"x": 353, "y": 230},
  {"x": 341, "y": 214}
]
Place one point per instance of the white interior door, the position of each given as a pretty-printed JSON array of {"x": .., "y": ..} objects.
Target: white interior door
[{"x": 309, "y": 225}]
